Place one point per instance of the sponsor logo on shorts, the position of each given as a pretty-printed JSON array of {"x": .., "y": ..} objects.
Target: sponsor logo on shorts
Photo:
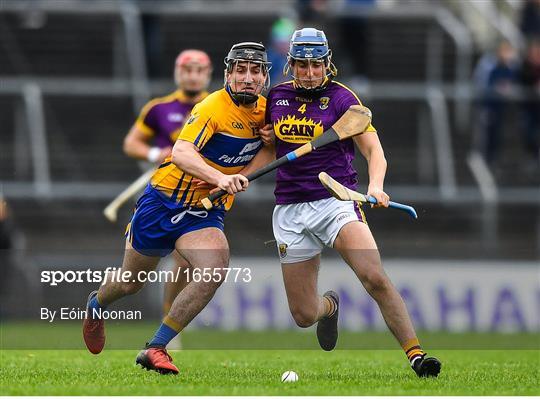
[
  {"x": 342, "y": 216},
  {"x": 282, "y": 250}
]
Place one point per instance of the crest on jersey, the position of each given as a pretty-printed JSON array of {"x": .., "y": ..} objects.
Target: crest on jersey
[
  {"x": 282, "y": 250},
  {"x": 324, "y": 102},
  {"x": 175, "y": 117},
  {"x": 192, "y": 119}
]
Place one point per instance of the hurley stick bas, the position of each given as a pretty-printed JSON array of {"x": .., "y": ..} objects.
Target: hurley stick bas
[
  {"x": 343, "y": 193},
  {"x": 111, "y": 211}
]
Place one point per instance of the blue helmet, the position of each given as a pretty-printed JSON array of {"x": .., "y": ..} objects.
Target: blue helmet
[{"x": 310, "y": 44}]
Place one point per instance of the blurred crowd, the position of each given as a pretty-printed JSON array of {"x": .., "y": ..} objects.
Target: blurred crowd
[
  {"x": 505, "y": 79},
  {"x": 509, "y": 80}
]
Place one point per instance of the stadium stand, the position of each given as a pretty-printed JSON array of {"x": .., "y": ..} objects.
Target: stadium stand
[{"x": 84, "y": 132}]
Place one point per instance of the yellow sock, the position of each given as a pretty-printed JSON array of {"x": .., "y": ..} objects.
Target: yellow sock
[
  {"x": 329, "y": 306},
  {"x": 172, "y": 324},
  {"x": 166, "y": 308},
  {"x": 413, "y": 350}
]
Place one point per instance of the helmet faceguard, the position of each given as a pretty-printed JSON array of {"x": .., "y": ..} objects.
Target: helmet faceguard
[
  {"x": 251, "y": 53},
  {"x": 310, "y": 45}
]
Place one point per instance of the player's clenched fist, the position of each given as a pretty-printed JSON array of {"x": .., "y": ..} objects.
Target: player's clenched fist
[
  {"x": 233, "y": 183},
  {"x": 267, "y": 134},
  {"x": 381, "y": 197}
]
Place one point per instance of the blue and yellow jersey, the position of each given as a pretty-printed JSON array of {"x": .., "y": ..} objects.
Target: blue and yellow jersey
[{"x": 227, "y": 136}]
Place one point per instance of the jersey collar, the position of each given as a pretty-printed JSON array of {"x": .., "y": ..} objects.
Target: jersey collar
[{"x": 183, "y": 98}]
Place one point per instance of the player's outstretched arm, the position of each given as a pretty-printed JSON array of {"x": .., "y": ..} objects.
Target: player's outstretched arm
[
  {"x": 371, "y": 148},
  {"x": 136, "y": 145},
  {"x": 186, "y": 156}
]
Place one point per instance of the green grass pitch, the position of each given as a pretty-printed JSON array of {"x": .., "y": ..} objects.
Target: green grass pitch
[
  {"x": 257, "y": 372},
  {"x": 217, "y": 371}
]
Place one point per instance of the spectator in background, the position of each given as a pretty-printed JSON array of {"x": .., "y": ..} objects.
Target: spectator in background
[
  {"x": 311, "y": 12},
  {"x": 153, "y": 48},
  {"x": 354, "y": 34},
  {"x": 496, "y": 78},
  {"x": 13, "y": 276},
  {"x": 280, "y": 36},
  {"x": 6, "y": 246},
  {"x": 530, "y": 79},
  {"x": 530, "y": 19}
]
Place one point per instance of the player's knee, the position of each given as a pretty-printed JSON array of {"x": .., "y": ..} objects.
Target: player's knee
[
  {"x": 219, "y": 275},
  {"x": 131, "y": 287},
  {"x": 210, "y": 279},
  {"x": 376, "y": 281},
  {"x": 304, "y": 318}
]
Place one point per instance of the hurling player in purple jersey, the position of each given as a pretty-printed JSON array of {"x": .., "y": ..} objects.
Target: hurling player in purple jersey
[
  {"x": 307, "y": 218},
  {"x": 155, "y": 131},
  {"x": 160, "y": 121}
]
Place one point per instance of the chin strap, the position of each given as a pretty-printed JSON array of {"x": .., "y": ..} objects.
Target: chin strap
[
  {"x": 245, "y": 98},
  {"x": 331, "y": 73},
  {"x": 242, "y": 97},
  {"x": 314, "y": 90}
]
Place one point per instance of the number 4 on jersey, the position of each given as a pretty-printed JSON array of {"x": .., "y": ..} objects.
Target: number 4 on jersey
[{"x": 302, "y": 108}]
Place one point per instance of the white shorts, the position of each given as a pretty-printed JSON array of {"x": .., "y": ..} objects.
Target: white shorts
[{"x": 302, "y": 230}]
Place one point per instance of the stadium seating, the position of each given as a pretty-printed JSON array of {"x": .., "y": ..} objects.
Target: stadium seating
[
  {"x": 52, "y": 44},
  {"x": 85, "y": 133}
]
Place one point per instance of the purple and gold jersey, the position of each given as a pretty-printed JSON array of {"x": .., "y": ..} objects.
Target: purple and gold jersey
[
  {"x": 162, "y": 118},
  {"x": 298, "y": 119},
  {"x": 227, "y": 136}
]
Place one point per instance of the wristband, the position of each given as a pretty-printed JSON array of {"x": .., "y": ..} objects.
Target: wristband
[{"x": 153, "y": 154}]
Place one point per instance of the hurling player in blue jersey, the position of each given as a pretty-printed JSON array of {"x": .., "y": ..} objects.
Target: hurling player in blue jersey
[{"x": 218, "y": 144}]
